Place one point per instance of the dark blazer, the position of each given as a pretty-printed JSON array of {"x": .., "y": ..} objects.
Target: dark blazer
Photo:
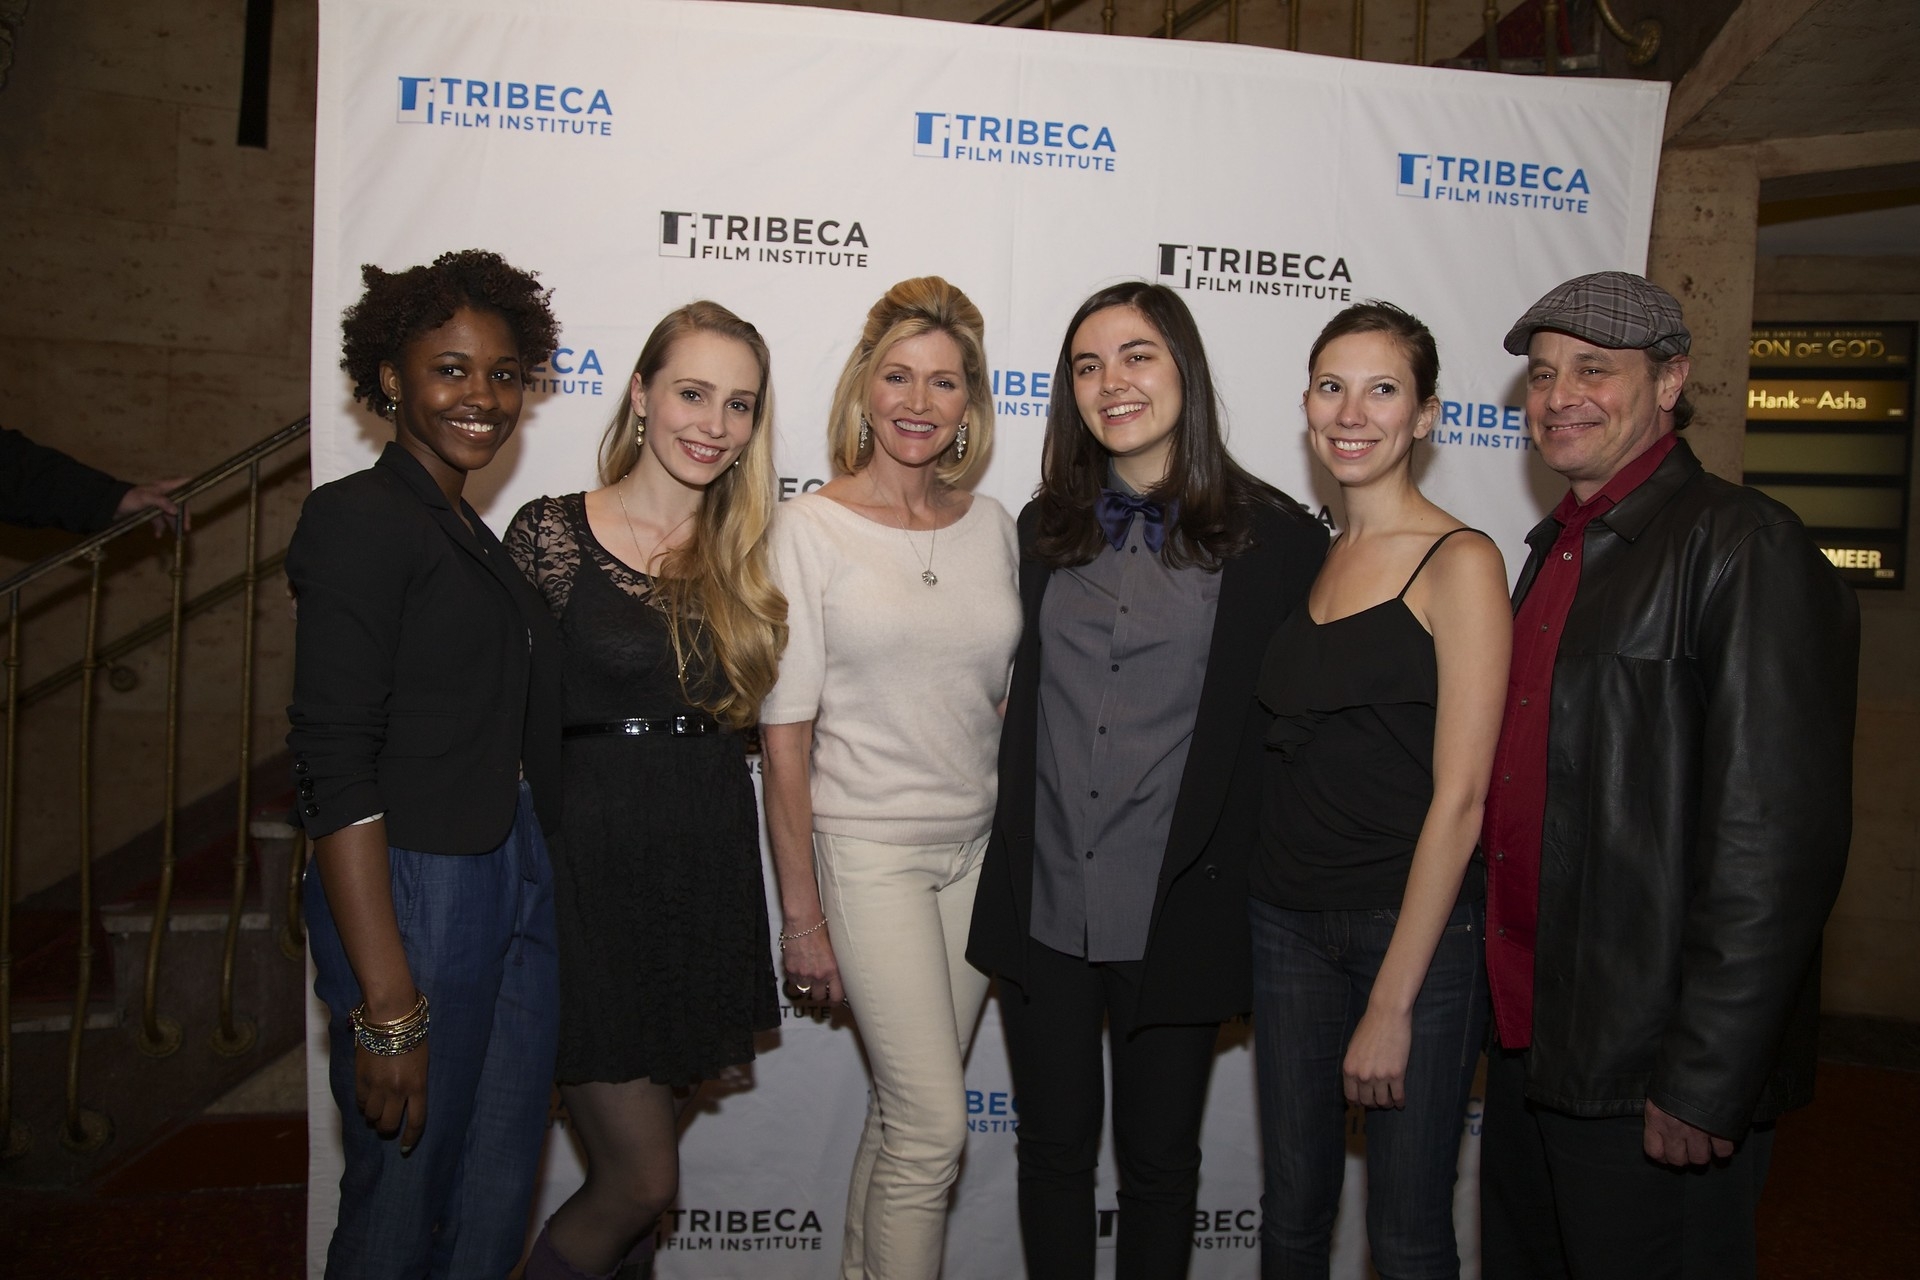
[
  {"x": 1198, "y": 963},
  {"x": 426, "y": 670},
  {"x": 41, "y": 486}
]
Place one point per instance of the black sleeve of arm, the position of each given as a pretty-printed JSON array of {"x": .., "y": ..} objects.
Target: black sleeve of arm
[
  {"x": 349, "y": 565},
  {"x": 1779, "y": 652},
  {"x": 42, "y": 487}
]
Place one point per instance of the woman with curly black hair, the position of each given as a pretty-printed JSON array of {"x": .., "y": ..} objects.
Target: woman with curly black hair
[{"x": 426, "y": 748}]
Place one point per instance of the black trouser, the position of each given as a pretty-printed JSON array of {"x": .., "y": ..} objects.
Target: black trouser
[
  {"x": 1563, "y": 1196},
  {"x": 1052, "y": 1022}
]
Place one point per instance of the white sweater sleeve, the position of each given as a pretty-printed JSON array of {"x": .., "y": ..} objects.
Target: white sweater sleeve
[{"x": 799, "y": 557}]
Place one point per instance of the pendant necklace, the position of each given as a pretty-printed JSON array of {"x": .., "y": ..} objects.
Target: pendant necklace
[{"x": 927, "y": 575}]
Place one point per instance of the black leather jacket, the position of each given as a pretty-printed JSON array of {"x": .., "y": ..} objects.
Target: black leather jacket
[{"x": 1699, "y": 806}]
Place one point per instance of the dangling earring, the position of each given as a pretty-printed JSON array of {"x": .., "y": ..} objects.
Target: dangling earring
[
  {"x": 640, "y": 431},
  {"x": 866, "y": 434},
  {"x": 960, "y": 444}
]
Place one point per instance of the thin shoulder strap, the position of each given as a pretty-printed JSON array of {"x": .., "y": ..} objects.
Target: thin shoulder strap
[{"x": 1430, "y": 550}]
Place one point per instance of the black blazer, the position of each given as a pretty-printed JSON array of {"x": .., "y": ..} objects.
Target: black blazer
[
  {"x": 1198, "y": 964},
  {"x": 426, "y": 670}
]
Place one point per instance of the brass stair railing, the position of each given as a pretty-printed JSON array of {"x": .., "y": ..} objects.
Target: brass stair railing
[{"x": 82, "y": 1129}]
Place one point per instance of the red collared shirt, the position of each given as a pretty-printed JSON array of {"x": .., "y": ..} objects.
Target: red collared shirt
[{"x": 1517, "y": 799}]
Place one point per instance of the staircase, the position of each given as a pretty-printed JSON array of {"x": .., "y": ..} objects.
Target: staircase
[{"x": 157, "y": 976}]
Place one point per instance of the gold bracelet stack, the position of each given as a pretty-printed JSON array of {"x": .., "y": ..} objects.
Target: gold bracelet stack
[
  {"x": 785, "y": 938},
  {"x": 391, "y": 1039}
]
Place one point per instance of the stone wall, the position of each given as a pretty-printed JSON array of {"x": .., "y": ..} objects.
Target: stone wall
[{"x": 156, "y": 277}]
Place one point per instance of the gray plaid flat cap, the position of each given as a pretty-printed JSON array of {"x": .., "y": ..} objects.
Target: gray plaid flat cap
[{"x": 1613, "y": 308}]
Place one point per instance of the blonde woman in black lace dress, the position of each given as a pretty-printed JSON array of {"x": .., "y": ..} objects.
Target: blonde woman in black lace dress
[{"x": 673, "y": 629}]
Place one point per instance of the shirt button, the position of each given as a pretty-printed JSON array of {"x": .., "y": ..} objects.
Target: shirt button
[
  {"x": 1523, "y": 702},
  {"x": 1116, "y": 666},
  {"x": 1089, "y": 855},
  {"x": 1566, "y": 555},
  {"x": 1500, "y": 857},
  {"x": 1543, "y": 626},
  {"x": 1123, "y": 608},
  {"x": 1135, "y": 550},
  {"x": 1094, "y": 794},
  {"x": 1501, "y": 932},
  {"x": 1103, "y": 728},
  {"x": 1506, "y": 777},
  {"x": 313, "y": 811}
]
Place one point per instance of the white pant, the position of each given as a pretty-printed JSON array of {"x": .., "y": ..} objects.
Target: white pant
[{"x": 900, "y": 916}]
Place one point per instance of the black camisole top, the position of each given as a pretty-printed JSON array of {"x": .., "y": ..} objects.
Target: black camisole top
[{"x": 1349, "y": 760}]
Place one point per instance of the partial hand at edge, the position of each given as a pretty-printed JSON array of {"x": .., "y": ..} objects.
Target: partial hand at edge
[
  {"x": 1672, "y": 1141},
  {"x": 1374, "y": 1071},
  {"x": 810, "y": 963},
  {"x": 152, "y": 495},
  {"x": 389, "y": 1089}
]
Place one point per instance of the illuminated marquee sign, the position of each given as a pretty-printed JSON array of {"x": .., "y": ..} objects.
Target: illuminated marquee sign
[{"x": 1830, "y": 433}]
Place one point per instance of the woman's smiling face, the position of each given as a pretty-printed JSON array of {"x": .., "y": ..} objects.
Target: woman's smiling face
[
  {"x": 458, "y": 391},
  {"x": 1363, "y": 409},
  {"x": 1127, "y": 387}
]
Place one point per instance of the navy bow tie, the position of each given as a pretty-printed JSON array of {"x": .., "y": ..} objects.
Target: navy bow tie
[{"x": 1115, "y": 512}]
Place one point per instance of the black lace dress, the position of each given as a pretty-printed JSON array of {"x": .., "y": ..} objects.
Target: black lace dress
[{"x": 665, "y": 967}]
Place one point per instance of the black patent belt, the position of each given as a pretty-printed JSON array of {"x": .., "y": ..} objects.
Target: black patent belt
[{"x": 690, "y": 726}]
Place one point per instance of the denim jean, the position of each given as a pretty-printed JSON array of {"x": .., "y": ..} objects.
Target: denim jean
[
  {"x": 1313, "y": 972},
  {"x": 478, "y": 934}
]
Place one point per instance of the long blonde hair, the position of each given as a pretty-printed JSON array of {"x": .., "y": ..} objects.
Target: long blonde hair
[
  {"x": 925, "y": 304},
  {"x": 717, "y": 582}
]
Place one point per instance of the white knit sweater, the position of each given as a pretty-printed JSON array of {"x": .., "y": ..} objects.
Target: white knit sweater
[{"x": 902, "y": 680}]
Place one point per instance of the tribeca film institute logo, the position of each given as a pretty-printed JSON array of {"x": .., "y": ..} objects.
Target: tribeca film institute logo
[
  {"x": 1278, "y": 273},
  {"x": 458, "y": 102},
  {"x": 1011, "y": 140},
  {"x": 1520, "y": 184},
  {"x": 763, "y": 239}
]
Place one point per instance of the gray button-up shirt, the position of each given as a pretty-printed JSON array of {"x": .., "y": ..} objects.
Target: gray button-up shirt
[{"x": 1123, "y": 654}]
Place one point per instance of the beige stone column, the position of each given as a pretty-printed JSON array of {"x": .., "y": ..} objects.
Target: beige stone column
[{"x": 1706, "y": 214}]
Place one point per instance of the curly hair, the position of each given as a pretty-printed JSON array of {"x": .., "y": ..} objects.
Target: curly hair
[{"x": 399, "y": 306}]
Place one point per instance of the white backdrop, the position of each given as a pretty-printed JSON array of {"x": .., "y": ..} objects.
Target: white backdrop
[{"x": 792, "y": 163}]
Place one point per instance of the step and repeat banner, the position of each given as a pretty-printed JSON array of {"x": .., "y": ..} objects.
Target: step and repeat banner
[{"x": 793, "y": 163}]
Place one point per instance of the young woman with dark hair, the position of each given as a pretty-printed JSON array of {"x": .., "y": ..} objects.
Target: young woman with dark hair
[
  {"x": 1153, "y": 570},
  {"x": 426, "y": 753},
  {"x": 672, "y": 627},
  {"x": 1367, "y": 909}
]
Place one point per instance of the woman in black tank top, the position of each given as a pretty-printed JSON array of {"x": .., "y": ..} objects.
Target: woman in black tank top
[{"x": 1367, "y": 905}]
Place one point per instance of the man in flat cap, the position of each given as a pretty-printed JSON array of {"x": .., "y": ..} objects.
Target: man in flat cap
[{"x": 1667, "y": 823}]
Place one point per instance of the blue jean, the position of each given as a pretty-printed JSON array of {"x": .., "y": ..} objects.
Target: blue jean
[
  {"x": 1312, "y": 974},
  {"x": 478, "y": 933}
]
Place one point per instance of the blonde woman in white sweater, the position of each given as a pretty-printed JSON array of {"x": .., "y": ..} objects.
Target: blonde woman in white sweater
[{"x": 880, "y": 741}]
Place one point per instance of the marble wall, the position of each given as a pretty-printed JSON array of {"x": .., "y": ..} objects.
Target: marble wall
[{"x": 156, "y": 277}]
